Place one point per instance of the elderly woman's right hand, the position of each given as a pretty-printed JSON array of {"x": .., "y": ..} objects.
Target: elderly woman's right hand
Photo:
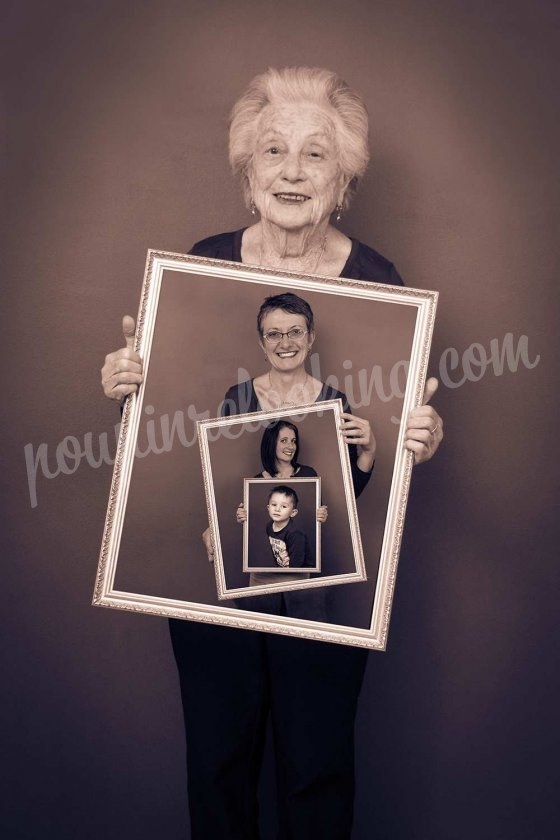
[{"x": 122, "y": 372}]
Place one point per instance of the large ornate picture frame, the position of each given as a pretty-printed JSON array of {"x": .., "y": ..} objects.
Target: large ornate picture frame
[{"x": 196, "y": 332}]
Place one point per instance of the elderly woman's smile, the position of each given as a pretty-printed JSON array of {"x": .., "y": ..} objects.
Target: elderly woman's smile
[{"x": 292, "y": 197}]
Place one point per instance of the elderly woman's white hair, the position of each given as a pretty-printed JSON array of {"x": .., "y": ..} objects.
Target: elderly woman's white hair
[{"x": 301, "y": 84}]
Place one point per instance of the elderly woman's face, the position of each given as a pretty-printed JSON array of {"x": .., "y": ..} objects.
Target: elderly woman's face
[{"x": 295, "y": 178}]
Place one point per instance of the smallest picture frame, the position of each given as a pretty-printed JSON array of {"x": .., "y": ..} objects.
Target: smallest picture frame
[{"x": 282, "y": 534}]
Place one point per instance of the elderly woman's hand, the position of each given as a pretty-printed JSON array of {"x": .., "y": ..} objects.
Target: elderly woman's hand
[
  {"x": 241, "y": 513},
  {"x": 357, "y": 430},
  {"x": 322, "y": 514},
  {"x": 122, "y": 372},
  {"x": 424, "y": 427}
]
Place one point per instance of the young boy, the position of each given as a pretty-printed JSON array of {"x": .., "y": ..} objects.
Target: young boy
[{"x": 289, "y": 545}]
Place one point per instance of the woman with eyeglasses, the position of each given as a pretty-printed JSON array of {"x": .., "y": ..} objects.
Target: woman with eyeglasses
[{"x": 286, "y": 329}]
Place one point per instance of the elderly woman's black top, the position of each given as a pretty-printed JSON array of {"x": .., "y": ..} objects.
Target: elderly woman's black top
[{"x": 363, "y": 263}]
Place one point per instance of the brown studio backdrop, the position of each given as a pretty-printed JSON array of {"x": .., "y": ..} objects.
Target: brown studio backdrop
[{"x": 117, "y": 142}]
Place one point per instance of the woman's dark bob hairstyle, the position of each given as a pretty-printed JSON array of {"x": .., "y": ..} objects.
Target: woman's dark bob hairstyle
[{"x": 268, "y": 445}]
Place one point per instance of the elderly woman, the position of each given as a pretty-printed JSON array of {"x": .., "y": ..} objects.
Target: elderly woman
[{"x": 298, "y": 140}]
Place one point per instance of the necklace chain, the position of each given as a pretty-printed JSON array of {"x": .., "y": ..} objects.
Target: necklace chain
[{"x": 290, "y": 403}]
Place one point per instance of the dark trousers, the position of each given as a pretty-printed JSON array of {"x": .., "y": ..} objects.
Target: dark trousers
[{"x": 230, "y": 681}]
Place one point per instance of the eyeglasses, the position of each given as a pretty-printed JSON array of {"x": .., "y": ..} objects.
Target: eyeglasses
[{"x": 275, "y": 336}]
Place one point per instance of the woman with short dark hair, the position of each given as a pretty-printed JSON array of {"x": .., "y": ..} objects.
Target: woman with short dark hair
[{"x": 286, "y": 335}]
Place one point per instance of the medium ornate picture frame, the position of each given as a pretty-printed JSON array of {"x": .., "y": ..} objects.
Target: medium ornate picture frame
[
  {"x": 196, "y": 334},
  {"x": 229, "y": 450}
]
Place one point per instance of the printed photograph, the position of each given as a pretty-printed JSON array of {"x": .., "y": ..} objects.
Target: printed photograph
[
  {"x": 303, "y": 458},
  {"x": 282, "y": 530}
]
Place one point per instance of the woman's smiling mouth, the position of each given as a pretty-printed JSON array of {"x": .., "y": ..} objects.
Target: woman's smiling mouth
[{"x": 291, "y": 198}]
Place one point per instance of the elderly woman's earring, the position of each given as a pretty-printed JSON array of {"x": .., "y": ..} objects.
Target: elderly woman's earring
[
  {"x": 253, "y": 208},
  {"x": 338, "y": 209}
]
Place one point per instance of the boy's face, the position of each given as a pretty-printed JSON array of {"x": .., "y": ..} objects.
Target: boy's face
[{"x": 281, "y": 508}]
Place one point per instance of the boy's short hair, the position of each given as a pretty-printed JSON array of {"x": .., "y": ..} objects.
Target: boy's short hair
[{"x": 286, "y": 491}]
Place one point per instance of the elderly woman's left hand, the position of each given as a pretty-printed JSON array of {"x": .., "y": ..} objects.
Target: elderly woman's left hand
[{"x": 424, "y": 427}]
